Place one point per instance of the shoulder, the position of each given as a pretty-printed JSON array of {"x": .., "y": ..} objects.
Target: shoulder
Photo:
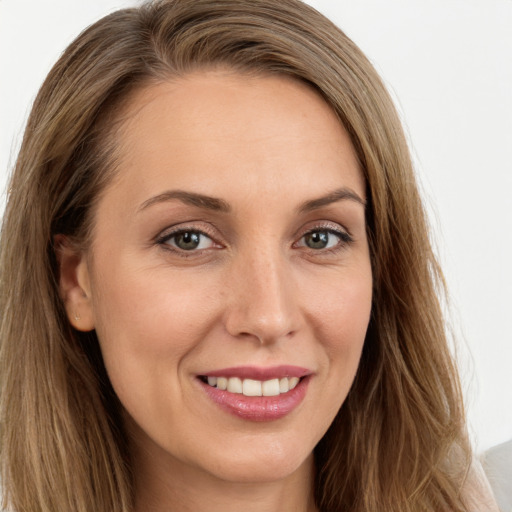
[
  {"x": 497, "y": 463},
  {"x": 477, "y": 490}
]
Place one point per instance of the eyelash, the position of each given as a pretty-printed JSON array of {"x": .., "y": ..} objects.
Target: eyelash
[
  {"x": 164, "y": 240},
  {"x": 344, "y": 237}
]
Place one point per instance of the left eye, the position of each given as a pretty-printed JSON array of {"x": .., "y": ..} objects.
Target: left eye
[
  {"x": 321, "y": 239},
  {"x": 189, "y": 240}
]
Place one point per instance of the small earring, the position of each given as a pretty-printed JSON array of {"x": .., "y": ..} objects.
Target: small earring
[{"x": 77, "y": 317}]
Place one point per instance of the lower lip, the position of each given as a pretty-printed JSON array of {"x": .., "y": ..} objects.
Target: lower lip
[{"x": 258, "y": 408}]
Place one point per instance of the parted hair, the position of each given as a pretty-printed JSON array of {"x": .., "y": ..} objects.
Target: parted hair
[{"x": 398, "y": 442}]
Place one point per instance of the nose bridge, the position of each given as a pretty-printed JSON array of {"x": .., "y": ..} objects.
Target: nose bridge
[{"x": 263, "y": 304}]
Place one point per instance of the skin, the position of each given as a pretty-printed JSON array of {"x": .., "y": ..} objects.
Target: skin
[{"x": 254, "y": 293}]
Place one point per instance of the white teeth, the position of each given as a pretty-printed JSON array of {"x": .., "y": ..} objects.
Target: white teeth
[
  {"x": 234, "y": 385},
  {"x": 270, "y": 387},
  {"x": 284, "y": 385},
  {"x": 251, "y": 387},
  {"x": 293, "y": 382}
]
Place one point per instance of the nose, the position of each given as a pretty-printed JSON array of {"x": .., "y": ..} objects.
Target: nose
[{"x": 263, "y": 303}]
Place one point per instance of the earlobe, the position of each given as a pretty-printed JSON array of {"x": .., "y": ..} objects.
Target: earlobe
[{"x": 74, "y": 284}]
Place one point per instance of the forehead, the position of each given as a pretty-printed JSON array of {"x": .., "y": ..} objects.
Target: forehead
[{"x": 209, "y": 128}]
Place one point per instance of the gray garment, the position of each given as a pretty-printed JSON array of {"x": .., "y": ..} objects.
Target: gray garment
[{"x": 497, "y": 464}]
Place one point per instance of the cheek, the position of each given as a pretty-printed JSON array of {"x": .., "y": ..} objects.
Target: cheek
[
  {"x": 340, "y": 309},
  {"x": 340, "y": 315},
  {"x": 147, "y": 323},
  {"x": 147, "y": 306}
]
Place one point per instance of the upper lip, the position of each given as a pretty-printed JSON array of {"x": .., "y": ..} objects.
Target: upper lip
[{"x": 260, "y": 373}]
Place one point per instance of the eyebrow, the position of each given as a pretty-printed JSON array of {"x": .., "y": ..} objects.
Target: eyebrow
[
  {"x": 340, "y": 194},
  {"x": 219, "y": 205},
  {"x": 191, "y": 198}
]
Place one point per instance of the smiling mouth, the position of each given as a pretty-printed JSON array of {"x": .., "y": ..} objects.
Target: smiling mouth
[
  {"x": 251, "y": 387},
  {"x": 255, "y": 393}
]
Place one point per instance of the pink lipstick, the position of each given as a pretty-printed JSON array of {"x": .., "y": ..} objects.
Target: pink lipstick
[{"x": 255, "y": 393}]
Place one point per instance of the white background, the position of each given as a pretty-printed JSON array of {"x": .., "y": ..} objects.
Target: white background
[{"x": 448, "y": 64}]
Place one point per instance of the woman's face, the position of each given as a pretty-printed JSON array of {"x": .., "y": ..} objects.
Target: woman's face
[{"x": 230, "y": 250}]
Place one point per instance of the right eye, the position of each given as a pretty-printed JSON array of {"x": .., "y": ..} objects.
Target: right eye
[{"x": 187, "y": 240}]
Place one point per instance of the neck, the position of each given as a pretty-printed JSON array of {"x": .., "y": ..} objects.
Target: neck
[{"x": 165, "y": 484}]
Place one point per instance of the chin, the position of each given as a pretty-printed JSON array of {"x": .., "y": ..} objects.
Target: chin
[{"x": 264, "y": 463}]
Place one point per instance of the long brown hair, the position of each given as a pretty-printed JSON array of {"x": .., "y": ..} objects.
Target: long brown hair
[{"x": 397, "y": 443}]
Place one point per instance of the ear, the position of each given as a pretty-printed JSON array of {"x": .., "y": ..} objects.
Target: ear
[{"x": 74, "y": 284}]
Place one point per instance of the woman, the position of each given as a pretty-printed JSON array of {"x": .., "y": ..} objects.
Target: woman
[{"x": 231, "y": 300}]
